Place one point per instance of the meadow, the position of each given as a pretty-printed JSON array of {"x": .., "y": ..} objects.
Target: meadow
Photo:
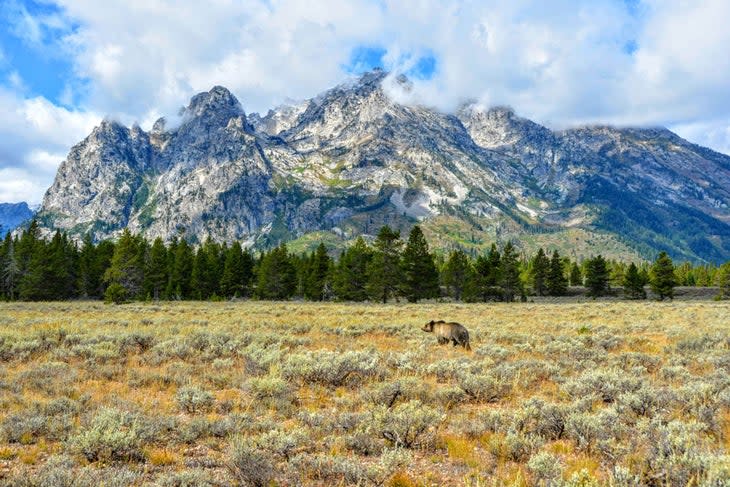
[{"x": 265, "y": 393}]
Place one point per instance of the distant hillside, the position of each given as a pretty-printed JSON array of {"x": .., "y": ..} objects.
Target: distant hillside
[{"x": 12, "y": 215}]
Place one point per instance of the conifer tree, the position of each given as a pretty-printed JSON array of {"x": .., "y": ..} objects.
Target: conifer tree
[
  {"x": 126, "y": 271},
  {"x": 9, "y": 268},
  {"x": 662, "y": 277},
  {"x": 317, "y": 284},
  {"x": 59, "y": 274},
  {"x": 633, "y": 283},
  {"x": 350, "y": 275},
  {"x": 277, "y": 276},
  {"x": 182, "y": 269},
  {"x": 540, "y": 267},
  {"x": 198, "y": 276},
  {"x": 457, "y": 273},
  {"x": 420, "y": 277},
  {"x": 26, "y": 248},
  {"x": 384, "y": 270},
  {"x": 102, "y": 260},
  {"x": 213, "y": 268},
  {"x": 556, "y": 282},
  {"x": 576, "y": 276},
  {"x": 510, "y": 274},
  {"x": 597, "y": 277},
  {"x": 237, "y": 272},
  {"x": 723, "y": 281},
  {"x": 156, "y": 270},
  {"x": 486, "y": 280},
  {"x": 87, "y": 256}
]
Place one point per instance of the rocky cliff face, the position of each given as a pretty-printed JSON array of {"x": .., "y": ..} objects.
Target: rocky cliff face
[
  {"x": 351, "y": 159},
  {"x": 12, "y": 215}
]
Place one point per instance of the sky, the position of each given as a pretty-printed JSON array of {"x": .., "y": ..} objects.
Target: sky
[{"x": 67, "y": 64}]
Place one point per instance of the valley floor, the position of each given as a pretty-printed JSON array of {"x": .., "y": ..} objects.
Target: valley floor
[{"x": 259, "y": 393}]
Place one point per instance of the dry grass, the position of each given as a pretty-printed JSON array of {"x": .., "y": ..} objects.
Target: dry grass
[{"x": 304, "y": 393}]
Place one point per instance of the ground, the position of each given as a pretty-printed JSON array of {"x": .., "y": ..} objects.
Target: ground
[{"x": 258, "y": 393}]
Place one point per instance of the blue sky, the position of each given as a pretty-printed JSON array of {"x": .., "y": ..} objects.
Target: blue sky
[{"x": 66, "y": 64}]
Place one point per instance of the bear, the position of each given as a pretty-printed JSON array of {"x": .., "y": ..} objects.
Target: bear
[{"x": 448, "y": 332}]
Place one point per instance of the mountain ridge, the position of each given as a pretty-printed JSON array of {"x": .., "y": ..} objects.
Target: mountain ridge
[
  {"x": 14, "y": 214},
  {"x": 352, "y": 159}
]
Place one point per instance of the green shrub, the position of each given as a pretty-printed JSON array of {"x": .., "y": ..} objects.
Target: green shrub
[
  {"x": 116, "y": 293},
  {"x": 248, "y": 464},
  {"x": 112, "y": 435},
  {"x": 483, "y": 387},
  {"x": 545, "y": 467},
  {"x": 332, "y": 368},
  {"x": 193, "y": 399},
  {"x": 406, "y": 425}
]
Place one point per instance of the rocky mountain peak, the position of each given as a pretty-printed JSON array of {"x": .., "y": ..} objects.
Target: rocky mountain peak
[
  {"x": 499, "y": 126},
  {"x": 211, "y": 110},
  {"x": 218, "y": 99},
  {"x": 353, "y": 158}
]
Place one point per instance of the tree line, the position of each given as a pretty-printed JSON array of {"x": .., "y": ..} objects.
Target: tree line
[{"x": 390, "y": 268}]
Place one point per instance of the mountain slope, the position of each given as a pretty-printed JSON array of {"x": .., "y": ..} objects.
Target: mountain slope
[
  {"x": 352, "y": 159},
  {"x": 12, "y": 215}
]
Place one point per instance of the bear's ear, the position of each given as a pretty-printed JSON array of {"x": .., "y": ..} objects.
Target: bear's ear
[{"x": 432, "y": 323}]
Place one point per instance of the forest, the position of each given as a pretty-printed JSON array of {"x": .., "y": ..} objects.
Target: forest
[{"x": 389, "y": 268}]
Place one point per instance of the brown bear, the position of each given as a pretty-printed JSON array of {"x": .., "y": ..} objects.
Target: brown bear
[{"x": 449, "y": 332}]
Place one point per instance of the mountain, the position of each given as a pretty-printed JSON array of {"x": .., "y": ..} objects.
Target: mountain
[
  {"x": 12, "y": 215},
  {"x": 352, "y": 159}
]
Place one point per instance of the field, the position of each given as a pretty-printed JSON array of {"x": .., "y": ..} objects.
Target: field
[{"x": 253, "y": 393}]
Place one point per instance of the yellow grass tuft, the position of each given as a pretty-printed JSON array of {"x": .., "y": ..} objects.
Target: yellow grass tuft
[
  {"x": 402, "y": 479},
  {"x": 161, "y": 457}
]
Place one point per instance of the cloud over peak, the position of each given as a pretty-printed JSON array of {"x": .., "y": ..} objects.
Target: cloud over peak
[{"x": 565, "y": 62}]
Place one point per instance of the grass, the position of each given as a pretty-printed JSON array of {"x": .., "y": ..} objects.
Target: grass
[{"x": 260, "y": 393}]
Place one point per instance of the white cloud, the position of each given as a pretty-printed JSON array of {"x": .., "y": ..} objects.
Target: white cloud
[
  {"x": 563, "y": 62},
  {"x": 36, "y": 135},
  {"x": 20, "y": 184}
]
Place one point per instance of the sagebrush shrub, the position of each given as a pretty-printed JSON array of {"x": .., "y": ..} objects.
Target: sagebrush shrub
[
  {"x": 406, "y": 425},
  {"x": 112, "y": 435},
  {"x": 193, "y": 399},
  {"x": 332, "y": 368},
  {"x": 545, "y": 467},
  {"x": 248, "y": 464},
  {"x": 483, "y": 387}
]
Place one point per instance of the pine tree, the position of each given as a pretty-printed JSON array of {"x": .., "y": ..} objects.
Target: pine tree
[
  {"x": 576, "y": 276},
  {"x": 198, "y": 276},
  {"x": 557, "y": 284},
  {"x": 87, "y": 256},
  {"x": 10, "y": 269},
  {"x": 540, "y": 266},
  {"x": 59, "y": 275},
  {"x": 156, "y": 270},
  {"x": 384, "y": 270},
  {"x": 213, "y": 267},
  {"x": 633, "y": 283},
  {"x": 102, "y": 260},
  {"x": 126, "y": 271},
  {"x": 277, "y": 276},
  {"x": 723, "y": 281},
  {"x": 350, "y": 275},
  {"x": 457, "y": 273},
  {"x": 182, "y": 270},
  {"x": 662, "y": 277},
  {"x": 597, "y": 277},
  {"x": 486, "y": 280},
  {"x": 317, "y": 284},
  {"x": 237, "y": 272},
  {"x": 420, "y": 277},
  {"x": 510, "y": 274}
]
